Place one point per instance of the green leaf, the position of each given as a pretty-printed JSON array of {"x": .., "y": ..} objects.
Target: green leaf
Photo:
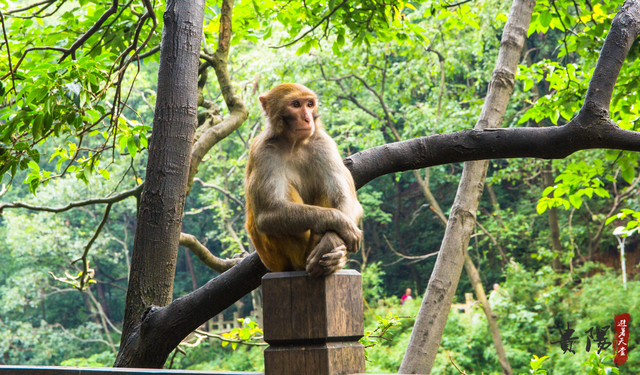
[
  {"x": 34, "y": 166},
  {"x": 131, "y": 146},
  {"x": 542, "y": 206},
  {"x": 37, "y": 126},
  {"x": 576, "y": 201}
]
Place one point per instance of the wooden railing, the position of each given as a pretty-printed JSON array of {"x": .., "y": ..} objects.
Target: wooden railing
[{"x": 52, "y": 370}]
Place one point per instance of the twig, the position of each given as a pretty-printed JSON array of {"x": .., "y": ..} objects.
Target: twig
[
  {"x": 457, "y": 4},
  {"x": 19, "y": 10},
  {"x": 85, "y": 263},
  {"x": 415, "y": 257},
  {"x": 116, "y": 198},
  {"x": 313, "y": 28},
  {"x": 6, "y": 42},
  {"x": 80, "y": 41},
  {"x": 222, "y": 190},
  {"x": 11, "y": 71}
]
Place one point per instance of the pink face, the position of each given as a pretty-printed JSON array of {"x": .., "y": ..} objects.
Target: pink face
[{"x": 301, "y": 118}]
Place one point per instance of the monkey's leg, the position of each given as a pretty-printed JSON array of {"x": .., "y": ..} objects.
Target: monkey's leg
[{"x": 328, "y": 256}]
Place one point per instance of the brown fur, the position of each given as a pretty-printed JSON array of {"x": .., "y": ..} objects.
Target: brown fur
[{"x": 302, "y": 207}]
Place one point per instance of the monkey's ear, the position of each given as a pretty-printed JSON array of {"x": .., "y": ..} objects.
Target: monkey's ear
[{"x": 263, "y": 101}]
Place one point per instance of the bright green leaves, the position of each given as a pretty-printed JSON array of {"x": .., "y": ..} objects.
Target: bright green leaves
[
  {"x": 624, "y": 214},
  {"x": 596, "y": 366},
  {"x": 249, "y": 333},
  {"x": 577, "y": 180},
  {"x": 53, "y": 100},
  {"x": 132, "y": 136},
  {"x": 55, "y": 104},
  {"x": 536, "y": 365},
  {"x": 308, "y": 23},
  {"x": 569, "y": 82},
  {"x": 373, "y": 337}
]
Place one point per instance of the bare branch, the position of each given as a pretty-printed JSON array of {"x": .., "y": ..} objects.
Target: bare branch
[
  {"x": 238, "y": 113},
  {"x": 83, "y": 258},
  {"x": 222, "y": 190},
  {"x": 217, "y": 264},
  {"x": 110, "y": 200},
  {"x": 586, "y": 131}
]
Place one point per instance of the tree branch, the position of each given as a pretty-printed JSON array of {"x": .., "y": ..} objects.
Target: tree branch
[
  {"x": 163, "y": 328},
  {"x": 80, "y": 41},
  {"x": 325, "y": 18},
  {"x": 217, "y": 264},
  {"x": 238, "y": 113},
  {"x": 109, "y": 200},
  {"x": 586, "y": 131}
]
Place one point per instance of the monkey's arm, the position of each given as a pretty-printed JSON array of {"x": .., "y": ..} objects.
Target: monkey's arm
[
  {"x": 283, "y": 218},
  {"x": 277, "y": 214}
]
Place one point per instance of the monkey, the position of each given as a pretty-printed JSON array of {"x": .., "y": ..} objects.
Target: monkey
[{"x": 302, "y": 210}]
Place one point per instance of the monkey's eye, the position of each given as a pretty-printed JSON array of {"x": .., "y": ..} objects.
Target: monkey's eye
[
  {"x": 311, "y": 103},
  {"x": 296, "y": 104}
]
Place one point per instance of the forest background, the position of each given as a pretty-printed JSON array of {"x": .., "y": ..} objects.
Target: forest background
[{"x": 544, "y": 230}]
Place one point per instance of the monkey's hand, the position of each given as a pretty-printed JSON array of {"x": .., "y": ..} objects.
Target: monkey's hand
[
  {"x": 350, "y": 234},
  {"x": 329, "y": 255}
]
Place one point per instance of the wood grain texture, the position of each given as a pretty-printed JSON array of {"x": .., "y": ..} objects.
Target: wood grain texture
[
  {"x": 333, "y": 358},
  {"x": 299, "y": 308}
]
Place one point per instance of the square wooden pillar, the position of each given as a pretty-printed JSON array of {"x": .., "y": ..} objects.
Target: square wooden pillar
[{"x": 313, "y": 324}]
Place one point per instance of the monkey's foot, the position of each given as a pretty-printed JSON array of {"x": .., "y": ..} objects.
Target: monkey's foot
[{"x": 329, "y": 256}]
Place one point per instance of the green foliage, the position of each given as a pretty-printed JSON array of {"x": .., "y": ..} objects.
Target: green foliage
[
  {"x": 372, "y": 338},
  {"x": 576, "y": 181},
  {"x": 249, "y": 333},
  {"x": 104, "y": 359},
  {"x": 372, "y": 283},
  {"x": 596, "y": 365},
  {"x": 536, "y": 365}
]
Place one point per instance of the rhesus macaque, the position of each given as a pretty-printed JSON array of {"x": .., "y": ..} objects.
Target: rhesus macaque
[{"x": 302, "y": 208}]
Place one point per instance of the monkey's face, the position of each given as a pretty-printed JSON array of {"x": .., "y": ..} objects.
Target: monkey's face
[{"x": 299, "y": 116}]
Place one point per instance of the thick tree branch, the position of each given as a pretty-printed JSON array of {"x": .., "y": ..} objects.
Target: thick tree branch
[
  {"x": 586, "y": 131},
  {"x": 217, "y": 264},
  {"x": 163, "y": 328}
]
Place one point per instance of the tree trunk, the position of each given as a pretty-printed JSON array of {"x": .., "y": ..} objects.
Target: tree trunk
[
  {"x": 554, "y": 227},
  {"x": 432, "y": 317},
  {"x": 476, "y": 283},
  {"x": 157, "y": 236},
  {"x": 474, "y": 276}
]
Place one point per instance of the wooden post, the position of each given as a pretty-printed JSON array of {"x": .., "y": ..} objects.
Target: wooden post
[{"x": 313, "y": 324}]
